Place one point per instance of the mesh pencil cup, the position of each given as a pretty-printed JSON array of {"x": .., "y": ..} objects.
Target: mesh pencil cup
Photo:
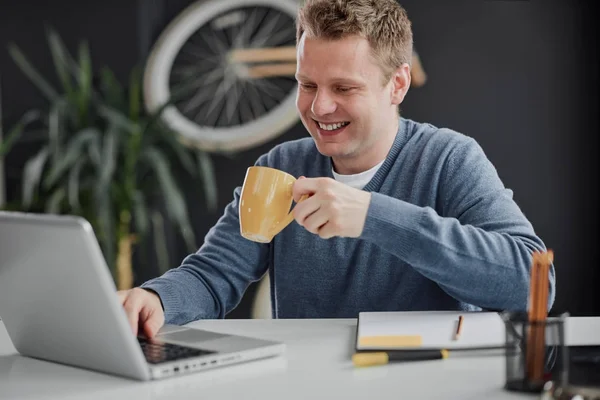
[{"x": 535, "y": 352}]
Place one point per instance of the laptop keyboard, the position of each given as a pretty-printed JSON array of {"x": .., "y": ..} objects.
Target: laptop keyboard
[{"x": 158, "y": 352}]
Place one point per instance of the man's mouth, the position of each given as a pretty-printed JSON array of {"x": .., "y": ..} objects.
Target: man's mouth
[{"x": 332, "y": 127}]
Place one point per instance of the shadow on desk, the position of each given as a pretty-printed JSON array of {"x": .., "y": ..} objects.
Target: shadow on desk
[{"x": 23, "y": 377}]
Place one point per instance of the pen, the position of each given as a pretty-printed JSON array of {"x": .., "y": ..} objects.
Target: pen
[
  {"x": 458, "y": 327},
  {"x": 384, "y": 357}
]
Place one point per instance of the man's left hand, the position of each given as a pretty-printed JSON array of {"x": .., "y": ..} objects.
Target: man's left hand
[{"x": 332, "y": 208}]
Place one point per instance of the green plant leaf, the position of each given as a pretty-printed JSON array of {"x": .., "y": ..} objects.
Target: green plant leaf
[
  {"x": 35, "y": 137},
  {"x": 73, "y": 152},
  {"x": 70, "y": 62},
  {"x": 17, "y": 130},
  {"x": 31, "y": 73},
  {"x": 181, "y": 152},
  {"x": 111, "y": 89},
  {"x": 55, "y": 123},
  {"x": 209, "y": 182},
  {"x": 175, "y": 203},
  {"x": 53, "y": 205},
  {"x": 117, "y": 118},
  {"x": 94, "y": 151},
  {"x": 185, "y": 230},
  {"x": 140, "y": 213},
  {"x": 153, "y": 118},
  {"x": 107, "y": 234},
  {"x": 74, "y": 185},
  {"x": 160, "y": 242},
  {"x": 109, "y": 159},
  {"x": 32, "y": 174},
  {"x": 85, "y": 82},
  {"x": 57, "y": 51},
  {"x": 135, "y": 94}
]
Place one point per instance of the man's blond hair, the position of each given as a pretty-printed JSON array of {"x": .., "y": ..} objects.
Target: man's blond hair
[{"x": 383, "y": 23}]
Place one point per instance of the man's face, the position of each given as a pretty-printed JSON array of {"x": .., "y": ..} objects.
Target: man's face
[{"x": 342, "y": 99}]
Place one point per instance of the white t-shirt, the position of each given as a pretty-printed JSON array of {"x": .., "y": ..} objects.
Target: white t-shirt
[{"x": 357, "y": 181}]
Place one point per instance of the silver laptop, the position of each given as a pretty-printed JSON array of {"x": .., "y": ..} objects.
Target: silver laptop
[{"x": 58, "y": 303}]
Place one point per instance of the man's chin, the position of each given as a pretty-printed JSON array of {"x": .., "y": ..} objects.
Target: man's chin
[{"x": 331, "y": 149}]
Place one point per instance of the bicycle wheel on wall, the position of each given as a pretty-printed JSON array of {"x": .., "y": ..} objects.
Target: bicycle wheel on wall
[{"x": 224, "y": 73}]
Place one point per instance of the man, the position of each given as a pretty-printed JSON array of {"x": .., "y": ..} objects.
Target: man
[{"x": 401, "y": 215}]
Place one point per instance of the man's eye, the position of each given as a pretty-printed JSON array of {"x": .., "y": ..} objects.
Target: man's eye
[
  {"x": 344, "y": 89},
  {"x": 307, "y": 86}
]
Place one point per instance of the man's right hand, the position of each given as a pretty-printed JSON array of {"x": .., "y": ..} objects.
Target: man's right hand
[{"x": 144, "y": 310}]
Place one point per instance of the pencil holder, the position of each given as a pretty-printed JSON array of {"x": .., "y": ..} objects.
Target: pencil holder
[{"x": 535, "y": 352}]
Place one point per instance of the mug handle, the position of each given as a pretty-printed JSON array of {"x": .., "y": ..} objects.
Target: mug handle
[{"x": 287, "y": 219}]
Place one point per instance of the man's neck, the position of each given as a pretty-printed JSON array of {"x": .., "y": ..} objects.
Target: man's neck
[{"x": 375, "y": 154}]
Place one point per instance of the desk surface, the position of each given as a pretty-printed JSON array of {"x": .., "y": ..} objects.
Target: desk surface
[{"x": 317, "y": 364}]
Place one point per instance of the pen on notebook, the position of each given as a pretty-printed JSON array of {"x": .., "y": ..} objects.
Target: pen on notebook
[
  {"x": 384, "y": 357},
  {"x": 458, "y": 327}
]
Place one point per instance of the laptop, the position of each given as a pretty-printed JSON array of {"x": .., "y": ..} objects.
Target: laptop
[{"x": 58, "y": 303}]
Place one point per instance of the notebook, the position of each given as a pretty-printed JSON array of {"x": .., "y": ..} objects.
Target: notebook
[{"x": 420, "y": 330}]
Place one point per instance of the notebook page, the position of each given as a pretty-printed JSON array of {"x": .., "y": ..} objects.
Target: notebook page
[{"x": 429, "y": 329}]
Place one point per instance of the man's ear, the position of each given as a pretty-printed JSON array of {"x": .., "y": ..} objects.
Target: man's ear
[{"x": 400, "y": 83}]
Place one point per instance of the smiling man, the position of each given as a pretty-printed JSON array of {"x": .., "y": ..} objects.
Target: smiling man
[{"x": 401, "y": 215}]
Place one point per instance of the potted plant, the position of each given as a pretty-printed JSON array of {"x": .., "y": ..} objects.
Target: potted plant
[{"x": 106, "y": 159}]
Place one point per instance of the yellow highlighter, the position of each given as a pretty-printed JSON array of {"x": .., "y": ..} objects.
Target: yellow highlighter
[{"x": 370, "y": 358}]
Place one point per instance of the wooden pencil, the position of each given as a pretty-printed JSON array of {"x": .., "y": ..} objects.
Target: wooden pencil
[
  {"x": 459, "y": 327},
  {"x": 530, "y": 353},
  {"x": 537, "y": 314}
]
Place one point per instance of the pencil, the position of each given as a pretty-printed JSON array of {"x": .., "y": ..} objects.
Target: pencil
[
  {"x": 366, "y": 359},
  {"x": 458, "y": 327},
  {"x": 538, "y": 311}
]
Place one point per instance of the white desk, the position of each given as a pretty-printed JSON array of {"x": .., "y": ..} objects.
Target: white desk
[{"x": 317, "y": 365}]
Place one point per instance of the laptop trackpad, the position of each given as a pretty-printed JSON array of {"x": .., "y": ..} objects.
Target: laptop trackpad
[
  {"x": 191, "y": 336},
  {"x": 212, "y": 341}
]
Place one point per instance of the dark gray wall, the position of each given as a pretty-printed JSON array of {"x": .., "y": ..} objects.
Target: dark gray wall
[{"x": 519, "y": 76}]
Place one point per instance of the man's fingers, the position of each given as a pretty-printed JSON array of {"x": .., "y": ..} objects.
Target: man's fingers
[
  {"x": 327, "y": 231},
  {"x": 304, "y": 209},
  {"x": 132, "y": 310},
  {"x": 122, "y": 294},
  {"x": 297, "y": 198},
  {"x": 304, "y": 186},
  {"x": 315, "y": 221},
  {"x": 151, "y": 321},
  {"x": 151, "y": 328}
]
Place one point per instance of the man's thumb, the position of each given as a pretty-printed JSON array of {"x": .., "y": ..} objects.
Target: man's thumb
[
  {"x": 295, "y": 193},
  {"x": 152, "y": 324}
]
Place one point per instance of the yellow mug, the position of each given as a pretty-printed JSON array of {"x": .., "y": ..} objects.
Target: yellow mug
[{"x": 265, "y": 203}]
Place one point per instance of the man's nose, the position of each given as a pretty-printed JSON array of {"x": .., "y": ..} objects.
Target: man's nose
[{"x": 323, "y": 104}]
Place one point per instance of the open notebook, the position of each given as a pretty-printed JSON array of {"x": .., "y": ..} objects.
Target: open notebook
[{"x": 417, "y": 330}]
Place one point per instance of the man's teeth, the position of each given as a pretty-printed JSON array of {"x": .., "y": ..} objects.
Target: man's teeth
[{"x": 330, "y": 127}]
